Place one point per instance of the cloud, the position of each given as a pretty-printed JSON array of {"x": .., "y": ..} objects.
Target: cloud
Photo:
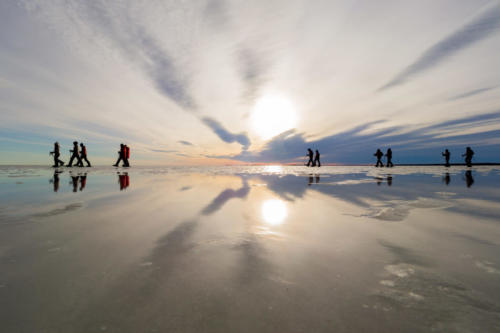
[
  {"x": 470, "y": 93},
  {"x": 186, "y": 143},
  {"x": 483, "y": 25},
  {"x": 225, "y": 135},
  {"x": 422, "y": 145},
  {"x": 163, "y": 151}
]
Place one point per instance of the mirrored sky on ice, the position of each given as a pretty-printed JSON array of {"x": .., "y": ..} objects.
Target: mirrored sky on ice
[
  {"x": 250, "y": 248},
  {"x": 219, "y": 81}
]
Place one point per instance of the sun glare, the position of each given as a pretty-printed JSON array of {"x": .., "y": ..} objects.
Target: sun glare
[
  {"x": 274, "y": 211},
  {"x": 273, "y": 115}
]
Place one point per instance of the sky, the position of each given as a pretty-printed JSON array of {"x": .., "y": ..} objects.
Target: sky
[{"x": 222, "y": 82}]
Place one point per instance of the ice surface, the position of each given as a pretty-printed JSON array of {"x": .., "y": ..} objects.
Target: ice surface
[{"x": 201, "y": 249}]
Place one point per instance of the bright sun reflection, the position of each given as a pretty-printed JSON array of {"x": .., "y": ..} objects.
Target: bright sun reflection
[
  {"x": 274, "y": 211},
  {"x": 273, "y": 115},
  {"x": 273, "y": 169}
]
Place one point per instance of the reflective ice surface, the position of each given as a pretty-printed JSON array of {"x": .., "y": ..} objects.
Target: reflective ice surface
[{"x": 250, "y": 249}]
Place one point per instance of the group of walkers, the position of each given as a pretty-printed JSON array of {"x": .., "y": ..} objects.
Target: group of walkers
[
  {"x": 469, "y": 153},
  {"x": 379, "y": 154},
  {"x": 123, "y": 155},
  {"x": 78, "y": 152},
  {"x": 313, "y": 158}
]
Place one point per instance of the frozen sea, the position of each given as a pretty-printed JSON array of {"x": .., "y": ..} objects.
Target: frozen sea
[{"x": 250, "y": 249}]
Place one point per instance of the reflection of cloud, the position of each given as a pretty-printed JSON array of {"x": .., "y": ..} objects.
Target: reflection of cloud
[
  {"x": 483, "y": 25},
  {"x": 59, "y": 211},
  {"x": 225, "y": 196}
]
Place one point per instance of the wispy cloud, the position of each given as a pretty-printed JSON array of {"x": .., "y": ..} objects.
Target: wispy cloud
[
  {"x": 470, "y": 93},
  {"x": 357, "y": 146},
  {"x": 185, "y": 143},
  {"x": 225, "y": 135},
  {"x": 164, "y": 151},
  {"x": 483, "y": 25}
]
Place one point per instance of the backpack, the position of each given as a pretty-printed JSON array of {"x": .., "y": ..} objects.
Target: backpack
[
  {"x": 127, "y": 152},
  {"x": 84, "y": 151}
]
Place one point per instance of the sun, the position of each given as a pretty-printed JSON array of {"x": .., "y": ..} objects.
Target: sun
[{"x": 272, "y": 115}]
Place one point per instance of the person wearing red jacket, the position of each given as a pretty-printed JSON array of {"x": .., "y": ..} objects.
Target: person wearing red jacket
[{"x": 83, "y": 155}]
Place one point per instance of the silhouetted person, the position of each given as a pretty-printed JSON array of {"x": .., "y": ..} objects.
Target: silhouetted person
[
  {"x": 123, "y": 180},
  {"x": 389, "y": 180},
  {"x": 55, "y": 180},
  {"x": 126, "y": 156},
  {"x": 121, "y": 155},
  {"x": 74, "y": 182},
  {"x": 83, "y": 181},
  {"x": 469, "y": 180},
  {"x": 83, "y": 155},
  {"x": 389, "y": 158},
  {"x": 316, "y": 159},
  {"x": 447, "y": 178},
  {"x": 379, "y": 155},
  {"x": 75, "y": 154},
  {"x": 57, "y": 153},
  {"x": 469, "y": 153},
  {"x": 310, "y": 154},
  {"x": 446, "y": 155}
]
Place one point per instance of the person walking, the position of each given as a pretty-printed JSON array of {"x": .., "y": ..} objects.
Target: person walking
[
  {"x": 316, "y": 159},
  {"x": 446, "y": 155},
  {"x": 388, "y": 155},
  {"x": 379, "y": 155},
  {"x": 310, "y": 154},
  {"x": 121, "y": 155},
  {"x": 469, "y": 153},
  {"x": 75, "y": 154},
  {"x": 83, "y": 155},
  {"x": 56, "y": 153},
  {"x": 126, "y": 156}
]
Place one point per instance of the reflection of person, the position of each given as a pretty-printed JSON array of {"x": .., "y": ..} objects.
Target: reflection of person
[
  {"x": 447, "y": 178},
  {"x": 316, "y": 159},
  {"x": 311, "y": 180},
  {"x": 468, "y": 156},
  {"x": 55, "y": 180},
  {"x": 317, "y": 179},
  {"x": 123, "y": 180},
  {"x": 389, "y": 180},
  {"x": 389, "y": 158},
  {"x": 446, "y": 155},
  {"x": 75, "y": 154},
  {"x": 379, "y": 180},
  {"x": 74, "y": 182},
  {"x": 469, "y": 180},
  {"x": 310, "y": 154},
  {"x": 83, "y": 181},
  {"x": 56, "y": 153},
  {"x": 379, "y": 155}
]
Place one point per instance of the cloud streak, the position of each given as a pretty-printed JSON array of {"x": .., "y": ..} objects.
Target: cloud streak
[
  {"x": 225, "y": 135},
  {"x": 482, "y": 26}
]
